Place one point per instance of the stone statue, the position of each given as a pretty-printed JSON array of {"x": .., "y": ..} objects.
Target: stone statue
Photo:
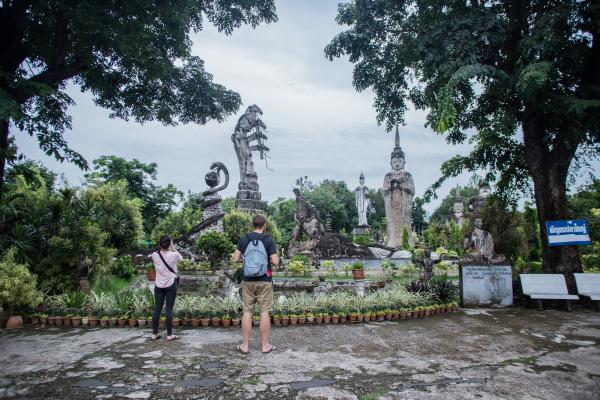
[
  {"x": 458, "y": 208},
  {"x": 480, "y": 246},
  {"x": 363, "y": 202},
  {"x": 308, "y": 221},
  {"x": 249, "y": 136},
  {"x": 212, "y": 216},
  {"x": 477, "y": 203},
  {"x": 398, "y": 192}
]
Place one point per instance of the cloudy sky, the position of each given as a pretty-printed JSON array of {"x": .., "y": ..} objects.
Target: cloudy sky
[{"x": 318, "y": 125}]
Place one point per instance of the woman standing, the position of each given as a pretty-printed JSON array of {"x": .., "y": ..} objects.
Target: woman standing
[{"x": 165, "y": 263}]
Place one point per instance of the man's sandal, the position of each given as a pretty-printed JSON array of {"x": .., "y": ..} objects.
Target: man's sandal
[{"x": 270, "y": 350}]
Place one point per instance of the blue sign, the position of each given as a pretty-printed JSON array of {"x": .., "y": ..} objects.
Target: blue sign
[{"x": 567, "y": 233}]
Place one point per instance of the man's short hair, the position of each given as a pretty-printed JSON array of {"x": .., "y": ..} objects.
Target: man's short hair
[{"x": 259, "y": 221}]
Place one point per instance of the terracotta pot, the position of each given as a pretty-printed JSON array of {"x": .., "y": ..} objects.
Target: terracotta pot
[
  {"x": 67, "y": 321},
  {"x": 132, "y": 322},
  {"x": 85, "y": 321},
  {"x": 195, "y": 322},
  {"x": 327, "y": 319},
  {"x": 388, "y": 316},
  {"x": 343, "y": 320},
  {"x": 43, "y": 320},
  {"x": 205, "y": 321},
  {"x": 161, "y": 323},
  {"x": 396, "y": 315},
  {"x": 104, "y": 323},
  {"x": 151, "y": 274},
  {"x": 301, "y": 320},
  {"x": 76, "y": 321},
  {"x": 121, "y": 322},
  {"x": 226, "y": 322},
  {"x": 293, "y": 321},
  {"x": 112, "y": 322},
  {"x": 51, "y": 320},
  {"x": 360, "y": 318},
  {"x": 35, "y": 320},
  {"x": 143, "y": 322},
  {"x": 285, "y": 321},
  {"x": 255, "y": 322},
  {"x": 335, "y": 319},
  {"x": 58, "y": 321},
  {"x": 353, "y": 318},
  {"x": 176, "y": 322},
  {"x": 14, "y": 322},
  {"x": 276, "y": 321},
  {"x": 93, "y": 322},
  {"x": 235, "y": 322},
  {"x": 216, "y": 321},
  {"x": 318, "y": 320},
  {"x": 358, "y": 274}
]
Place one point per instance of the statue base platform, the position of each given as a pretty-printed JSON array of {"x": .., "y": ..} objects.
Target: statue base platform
[{"x": 361, "y": 230}]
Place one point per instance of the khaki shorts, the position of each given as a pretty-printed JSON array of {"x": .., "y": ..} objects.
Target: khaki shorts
[{"x": 259, "y": 293}]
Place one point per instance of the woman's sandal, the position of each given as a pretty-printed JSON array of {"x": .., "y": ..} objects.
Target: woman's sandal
[
  {"x": 173, "y": 337},
  {"x": 154, "y": 337}
]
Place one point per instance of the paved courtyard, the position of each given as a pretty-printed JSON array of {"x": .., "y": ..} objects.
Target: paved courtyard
[{"x": 473, "y": 354}]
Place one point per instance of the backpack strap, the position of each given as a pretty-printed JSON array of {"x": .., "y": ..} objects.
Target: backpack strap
[{"x": 166, "y": 265}]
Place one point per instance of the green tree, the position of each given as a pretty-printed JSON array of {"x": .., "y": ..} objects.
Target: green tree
[
  {"x": 228, "y": 204},
  {"x": 18, "y": 286},
  {"x": 518, "y": 79},
  {"x": 334, "y": 198},
  {"x": 282, "y": 212},
  {"x": 419, "y": 215},
  {"x": 445, "y": 210},
  {"x": 157, "y": 201},
  {"x": 177, "y": 223},
  {"x": 135, "y": 58},
  {"x": 216, "y": 246},
  {"x": 376, "y": 219},
  {"x": 237, "y": 223}
]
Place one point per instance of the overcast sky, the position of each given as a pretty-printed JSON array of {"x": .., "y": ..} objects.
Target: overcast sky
[{"x": 318, "y": 125}]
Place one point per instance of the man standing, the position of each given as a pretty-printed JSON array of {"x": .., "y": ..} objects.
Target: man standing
[{"x": 258, "y": 251}]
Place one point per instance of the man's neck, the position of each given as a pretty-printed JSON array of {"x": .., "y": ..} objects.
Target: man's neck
[{"x": 259, "y": 231}]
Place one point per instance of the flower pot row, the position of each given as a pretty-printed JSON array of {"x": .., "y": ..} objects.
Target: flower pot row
[
  {"x": 131, "y": 322},
  {"x": 341, "y": 318}
]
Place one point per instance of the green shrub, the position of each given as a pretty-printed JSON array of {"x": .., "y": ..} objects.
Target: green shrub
[
  {"x": 17, "y": 284},
  {"x": 363, "y": 240},
  {"x": 296, "y": 267},
  {"x": 123, "y": 267},
  {"x": 237, "y": 223},
  {"x": 216, "y": 246}
]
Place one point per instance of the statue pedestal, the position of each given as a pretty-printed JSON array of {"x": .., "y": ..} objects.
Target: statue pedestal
[
  {"x": 360, "y": 231},
  {"x": 248, "y": 198}
]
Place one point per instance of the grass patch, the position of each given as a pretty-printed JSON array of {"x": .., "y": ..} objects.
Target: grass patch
[
  {"x": 253, "y": 380},
  {"x": 372, "y": 396},
  {"x": 161, "y": 371}
]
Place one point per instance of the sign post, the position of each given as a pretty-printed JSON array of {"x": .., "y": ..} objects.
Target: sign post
[{"x": 567, "y": 233}]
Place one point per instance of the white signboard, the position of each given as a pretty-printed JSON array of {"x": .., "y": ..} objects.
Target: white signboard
[{"x": 486, "y": 285}]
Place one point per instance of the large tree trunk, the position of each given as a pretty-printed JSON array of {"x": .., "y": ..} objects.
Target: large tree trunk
[
  {"x": 549, "y": 170},
  {"x": 3, "y": 152}
]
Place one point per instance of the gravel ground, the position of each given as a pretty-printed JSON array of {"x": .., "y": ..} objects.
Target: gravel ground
[{"x": 473, "y": 354}]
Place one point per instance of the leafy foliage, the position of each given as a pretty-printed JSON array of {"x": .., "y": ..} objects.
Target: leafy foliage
[
  {"x": 177, "y": 223},
  {"x": 237, "y": 223},
  {"x": 335, "y": 199},
  {"x": 216, "y": 246},
  {"x": 17, "y": 284}
]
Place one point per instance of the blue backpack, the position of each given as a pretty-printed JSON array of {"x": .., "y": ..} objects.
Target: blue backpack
[{"x": 256, "y": 260}]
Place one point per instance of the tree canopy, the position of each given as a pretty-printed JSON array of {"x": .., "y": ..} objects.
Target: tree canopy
[
  {"x": 134, "y": 57},
  {"x": 518, "y": 79}
]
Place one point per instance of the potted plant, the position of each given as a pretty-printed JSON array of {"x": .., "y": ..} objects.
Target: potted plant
[
  {"x": 277, "y": 319},
  {"x": 76, "y": 320},
  {"x": 67, "y": 319},
  {"x": 235, "y": 322},
  {"x": 216, "y": 318},
  {"x": 162, "y": 322},
  {"x": 388, "y": 314},
  {"x": 301, "y": 319},
  {"x": 343, "y": 317},
  {"x": 141, "y": 319},
  {"x": 285, "y": 320},
  {"x": 44, "y": 319},
  {"x": 195, "y": 320},
  {"x": 112, "y": 321},
  {"x": 310, "y": 317},
  {"x": 132, "y": 322},
  {"x": 358, "y": 270},
  {"x": 205, "y": 319},
  {"x": 226, "y": 320},
  {"x": 255, "y": 320},
  {"x": 335, "y": 318},
  {"x": 319, "y": 318},
  {"x": 122, "y": 321},
  {"x": 293, "y": 319},
  {"x": 150, "y": 272}
]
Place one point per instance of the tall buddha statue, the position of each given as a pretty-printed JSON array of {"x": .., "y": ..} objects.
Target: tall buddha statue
[{"x": 398, "y": 192}]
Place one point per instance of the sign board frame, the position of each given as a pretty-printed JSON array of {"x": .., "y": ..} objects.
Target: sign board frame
[
  {"x": 485, "y": 285},
  {"x": 567, "y": 233}
]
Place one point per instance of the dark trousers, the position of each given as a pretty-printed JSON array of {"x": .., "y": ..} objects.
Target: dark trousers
[{"x": 159, "y": 298}]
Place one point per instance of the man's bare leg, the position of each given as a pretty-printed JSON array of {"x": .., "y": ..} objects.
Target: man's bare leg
[
  {"x": 265, "y": 326},
  {"x": 246, "y": 326}
]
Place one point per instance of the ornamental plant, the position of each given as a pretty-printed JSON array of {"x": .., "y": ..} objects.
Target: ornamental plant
[
  {"x": 17, "y": 284},
  {"x": 216, "y": 246}
]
